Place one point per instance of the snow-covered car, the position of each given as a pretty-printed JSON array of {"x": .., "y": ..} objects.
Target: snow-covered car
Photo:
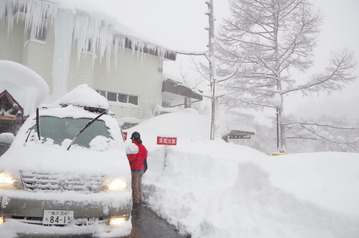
[{"x": 66, "y": 172}]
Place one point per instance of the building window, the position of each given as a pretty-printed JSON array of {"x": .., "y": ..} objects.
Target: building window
[
  {"x": 122, "y": 98},
  {"x": 119, "y": 97},
  {"x": 133, "y": 99},
  {"x": 88, "y": 48},
  {"x": 111, "y": 96},
  {"x": 102, "y": 93},
  {"x": 37, "y": 34}
]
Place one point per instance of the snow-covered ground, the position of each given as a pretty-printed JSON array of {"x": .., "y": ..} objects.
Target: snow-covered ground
[{"x": 213, "y": 189}]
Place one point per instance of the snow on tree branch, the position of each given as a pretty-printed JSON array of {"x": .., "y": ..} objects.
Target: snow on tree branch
[
  {"x": 335, "y": 76},
  {"x": 333, "y": 134}
]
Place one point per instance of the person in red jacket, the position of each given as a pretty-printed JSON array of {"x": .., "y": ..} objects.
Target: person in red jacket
[{"x": 137, "y": 155}]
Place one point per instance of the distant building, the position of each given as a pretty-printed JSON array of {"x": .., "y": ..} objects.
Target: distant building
[
  {"x": 240, "y": 126},
  {"x": 11, "y": 113},
  {"x": 21, "y": 92},
  {"x": 72, "y": 47},
  {"x": 176, "y": 94}
]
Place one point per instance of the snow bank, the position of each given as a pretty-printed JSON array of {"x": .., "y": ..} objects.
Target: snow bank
[
  {"x": 27, "y": 87},
  {"x": 192, "y": 126},
  {"x": 6, "y": 137},
  {"x": 328, "y": 179},
  {"x": 214, "y": 189}
]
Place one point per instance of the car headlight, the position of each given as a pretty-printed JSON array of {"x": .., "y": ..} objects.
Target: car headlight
[
  {"x": 117, "y": 221},
  {"x": 9, "y": 181},
  {"x": 114, "y": 185},
  {"x": 2, "y": 220}
]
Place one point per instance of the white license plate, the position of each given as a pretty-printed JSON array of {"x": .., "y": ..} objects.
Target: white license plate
[{"x": 57, "y": 217}]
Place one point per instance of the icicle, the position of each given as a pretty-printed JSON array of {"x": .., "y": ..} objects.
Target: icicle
[
  {"x": 35, "y": 12},
  {"x": 7, "y": 9},
  {"x": 63, "y": 28},
  {"x": 81, "y": 35},
  {"x": 79, "y": 26}
]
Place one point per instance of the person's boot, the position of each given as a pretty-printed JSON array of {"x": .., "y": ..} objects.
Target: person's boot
[{"x": 136, "y": 209}]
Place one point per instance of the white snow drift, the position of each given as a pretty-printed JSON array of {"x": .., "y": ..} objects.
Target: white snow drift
[{"x": 213, "y": 189}]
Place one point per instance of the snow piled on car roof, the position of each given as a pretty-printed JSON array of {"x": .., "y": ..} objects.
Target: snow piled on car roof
[{"x": 83, "y": 96}]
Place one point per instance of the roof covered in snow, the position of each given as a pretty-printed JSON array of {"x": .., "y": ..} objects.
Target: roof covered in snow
[
  {"x": 23, "y": 84},
  {"x": 240, "y": 122},
  {"x": 178, "y": 88}
]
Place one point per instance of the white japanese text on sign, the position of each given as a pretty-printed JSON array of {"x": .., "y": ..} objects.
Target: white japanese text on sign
[{"x": 166, "y": 140}]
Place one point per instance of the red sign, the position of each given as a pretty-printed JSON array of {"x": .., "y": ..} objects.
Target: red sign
[
  {"x": 124, "y": 135},
  {"x": 166, "y": 140}
]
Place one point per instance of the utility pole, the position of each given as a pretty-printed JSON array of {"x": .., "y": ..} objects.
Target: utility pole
[{"x": 212, "y": 65}]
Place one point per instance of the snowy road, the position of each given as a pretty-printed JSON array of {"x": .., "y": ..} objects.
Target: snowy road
[{"x": 149, "y": 225}]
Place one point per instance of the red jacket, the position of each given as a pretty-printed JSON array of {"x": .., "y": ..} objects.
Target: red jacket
[{"x": 137, "y": 160}]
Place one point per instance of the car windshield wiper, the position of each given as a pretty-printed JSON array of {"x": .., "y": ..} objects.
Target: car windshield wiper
[
  {"x": 84, "y": 128},
  {"x": 37, "y": 126}
]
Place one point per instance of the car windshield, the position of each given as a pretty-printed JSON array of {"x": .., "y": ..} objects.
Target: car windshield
[{"x": 58, "y": 129}]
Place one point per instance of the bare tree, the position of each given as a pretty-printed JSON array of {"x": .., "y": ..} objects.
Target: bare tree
[
  {"x": 329, "y": 133},
  {"x": 211, "y": 72},
  {"x": 270, "y": 45}
]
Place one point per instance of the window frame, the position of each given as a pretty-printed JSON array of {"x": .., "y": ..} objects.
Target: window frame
[
  {"x": 124, "y": 96},
  {"x": 120, "y": 97},
  {"x": 111, "y": 96},
  {"x": 89, "y": 48},
  {"x": 39, "y": 35},
  {"x": 131, "y": 98}
]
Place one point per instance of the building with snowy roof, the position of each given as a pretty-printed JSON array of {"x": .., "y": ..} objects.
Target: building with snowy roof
[
  {"x": 21, "y": 91},
  {"x": 68, "y": 45},
  {"x": 11, "y": 114}
]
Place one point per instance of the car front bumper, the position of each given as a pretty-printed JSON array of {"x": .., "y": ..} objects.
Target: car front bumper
[
  {"x": 15, "y": 228},
  {"x": 24, "y": 210}
]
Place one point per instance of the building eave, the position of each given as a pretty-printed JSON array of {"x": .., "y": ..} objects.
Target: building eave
[
  {"x": 105, "y": 24},
  {"x": 176, "y": 88}
]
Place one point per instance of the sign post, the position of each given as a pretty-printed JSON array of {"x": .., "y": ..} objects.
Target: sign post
[
  {"x": 166, "y": 141},
  {"x": 124, "y": 135}
]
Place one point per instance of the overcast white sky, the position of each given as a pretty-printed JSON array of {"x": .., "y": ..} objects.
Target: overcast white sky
[{"x": 179, "y": 24}]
